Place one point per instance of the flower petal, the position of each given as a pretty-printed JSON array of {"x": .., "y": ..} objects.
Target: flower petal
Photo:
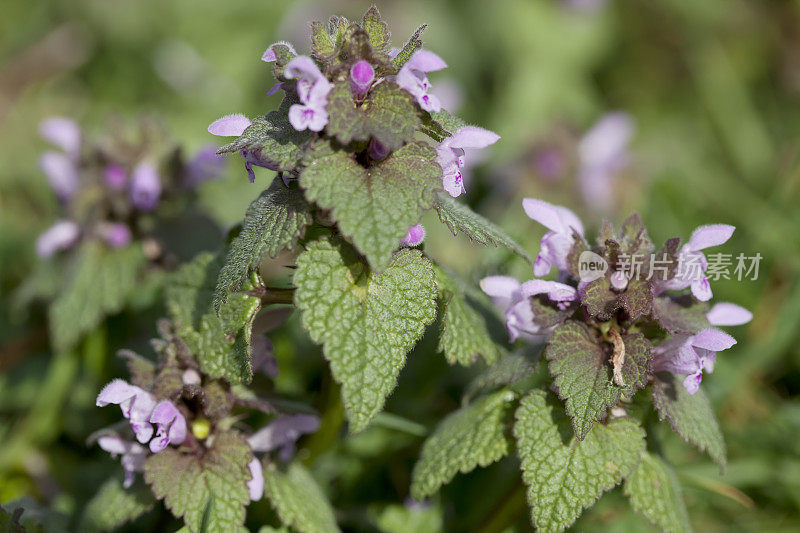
[
  {"x": 282, "y": 430},
  {"x": 269, "y": 53},
  {"x": 556, "y": 292},
  {"x": 302, "y": 67},
  {"x": 61, "y": 172},
  {"x": 728, "y": 314},
  {"x": 256, "y": 484},
  {"x": 425, "y": 61},
  {"x": 472, "y": 137},
  {"x": 701, "y": 289},
  {"x": 713, "y": 340},
  {"x": 500, "y": 286},
  {"x": 712, "y": 235},
  {"x": 62, "y": 132},
  {"x": 60, "y": 236},
  {"x": 115, "y": 392},
  {"x": 229, "y": 125},
  {"x": 606, "y": 143},
  {"x": 145, "y": 186}
]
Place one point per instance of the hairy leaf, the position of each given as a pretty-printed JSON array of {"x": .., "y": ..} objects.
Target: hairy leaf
[
  {"x": 322, "y": 46},
  {"x": 637, "y": 299},
  {"x": 378, "y": 31},
  {"x": 690, "y": 415},
  {"x": 413, "y": 44},
  {"x": 298, "y": 500},
  {"x": 564, "y": 475},
  {"x": 598, "y": 298},
  {"x": 98, "y": 284},
  {"x": 637, "y": 365},
  {"x": 473, "y": 436},
  {"x": 508, "y": 370},
  {"x": 459, "y": 217},
  {"x": 114, "y": 506},
  {"x": 654, "y": 491},
  {"x": 373, "y": 206},
  {"x": 366, "y": 321},
  {"x": 464, "y": 335},
  {"x": 581, "y": 375},
  {"x": 273, "y": 222},
  {"x": 208, "y": 489},
  {"x": 221, "y": 342}
]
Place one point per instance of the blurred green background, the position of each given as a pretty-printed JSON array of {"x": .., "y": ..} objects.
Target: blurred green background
[{"x": 712, "y": 88}]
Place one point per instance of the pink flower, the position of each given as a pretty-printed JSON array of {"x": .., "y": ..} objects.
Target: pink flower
[
  {"x": 691, "y": 355},
  {"x": 514, "y": 298},
  {"x": 145, "y": 188},
  {"x": 60, "y": 236},
  {"x": 312, "y": 88},
  {"x": 256, "y": 484},
  {"x": 414, "y": 79},
  {"x": 133, "y": 455},
  {"x": 603, "y": 152},
  {"x": 415, "y": 236},
  {"x": 361, "y": 76},
  {"x": 136, "y": 404},
  {"x": 282, "y": 433},
  {"x": 557, "y": 243},
  {"x": 451, "y": 156},
  {"x": 171, "y": 426}
]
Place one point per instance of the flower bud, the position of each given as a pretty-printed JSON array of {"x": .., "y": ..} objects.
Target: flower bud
[
  {"x": 361, "y": 76},
  {"x": 145, "y": 187},
  {"x": 115, "y": 177},
  {"x": 116, "y": 235}
]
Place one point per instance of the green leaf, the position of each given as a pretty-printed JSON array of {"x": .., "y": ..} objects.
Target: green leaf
[
  {"x": 564, "y": 475},
  {"x": 637, "y": 299},
  {"x": 413, "y": 44},
  {"x": 389, "y": 115},
  {"x": 508, "y": 370},
  {"x": 581, "y": 376},
  {"x": 680, "y": 316},
  {"x": 374, "y": 206},
  {"x": 98, "y": 284},
  {"x": 638, "y": 361},
  {"x": 273, "y": 222},
  {"x": 690, "y": 415},
  {"x": 397, "y": 518},
  {"x": 114, "y": 506},
  {"x": 221, "y": 342},
  {"x": 473, "y": 436},
  {"x": 298, "y": 500},
  {"x": 655, "y": 493},
  {"x": 464, "y": 335},
  {"x": 598, "y": 298},
  {"x": 273, "y": 138},
  {"x": 208, "y": 488},
  {"x": 378, "y": 31},
  {"x": 366, "y": 321},
  {"x": 459, "y": 217},
  {"x": 322, "y": 46}
]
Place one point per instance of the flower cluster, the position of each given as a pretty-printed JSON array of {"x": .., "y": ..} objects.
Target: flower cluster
[
  {"x": 686, "y": 341},
  {"x": 175, "y": 404},
  {"x": 359, "y": 93},
  {"x": 104, "y": 189}
]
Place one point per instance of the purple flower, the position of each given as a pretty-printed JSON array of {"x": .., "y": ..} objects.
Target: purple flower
[
  {"x": 229, "y": 125},
  {"x": 414, "y": 79},
  {"x": 115, "y": 177},
  {"x": 171, "y": 426},
  {"x": 603, "y": 152},
  {"x": 256, "y": 484},
  {"x": 514, "y": 298},
  {"x": 550, "y": 163},
  {"x": 450, "y": 155},
  {"x": 377, "y": 150},
  {"x": 556, "y": 243},
  {"x": 693, "y": 263},
  {"x": 691, "y": 355},
  {"x": 64, "y": 133},
  {"x": 269, "y": 54},
  {"x": 415, "y": 236},
  {"x": 728, "y": 314},
  {"x": 136, "y": 404},
  {"x": 61, "y": 172},
  {"x": 262, "y": 357},
  {"x": 312, "y": 88},
  {"x": 145, "y": 186},
  {"x": 116, "y": 234},
  {"x": 282, "y": 433},
  {"x": 133, "y": 455},
  {"x": 361, "y": 76},
  {"x": 60, "y": 236},
  {"x": 204, "y": 166}
]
